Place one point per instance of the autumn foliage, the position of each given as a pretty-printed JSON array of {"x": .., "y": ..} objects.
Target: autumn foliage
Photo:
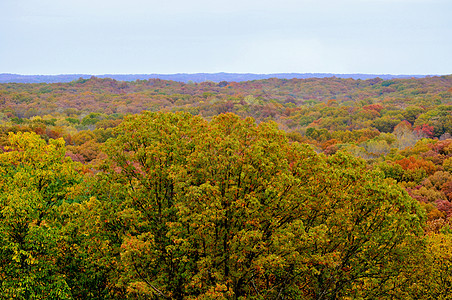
[
  {"x": 204, "y": 196},
  {"x": 185, "y": 208}
]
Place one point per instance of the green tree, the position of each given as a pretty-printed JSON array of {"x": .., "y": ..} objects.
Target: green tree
[
  {"x": 36, "y": 178},
  {"x": 150, "y": 150}
]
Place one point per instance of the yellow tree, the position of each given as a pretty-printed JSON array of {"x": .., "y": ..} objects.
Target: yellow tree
[
  {"x": 230, "y": 209},
  {"x": 35, "y": 178}
]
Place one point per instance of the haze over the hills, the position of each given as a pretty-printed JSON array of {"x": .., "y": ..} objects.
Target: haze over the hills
[{"x": 198, "y": 77}]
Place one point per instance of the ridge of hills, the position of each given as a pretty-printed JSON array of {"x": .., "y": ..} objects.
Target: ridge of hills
[{"x": 195, "y": 77}]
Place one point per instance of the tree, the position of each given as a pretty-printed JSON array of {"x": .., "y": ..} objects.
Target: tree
[
  {"x": 433, "y": 278},
  {"x": 356, "y": 247},
  {"x": 228, "y": 209},
  {"x": 150, "y": 150},
  {"x": 411, "y": 113},
  {"x": 36, "y": 178},
  {"x": 386, "y": 123}
]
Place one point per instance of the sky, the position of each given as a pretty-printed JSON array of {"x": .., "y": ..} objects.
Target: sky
[{"x": 237, "y": 36}]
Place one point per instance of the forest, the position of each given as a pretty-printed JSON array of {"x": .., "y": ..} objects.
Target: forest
[{"x": 318, "y": 188}]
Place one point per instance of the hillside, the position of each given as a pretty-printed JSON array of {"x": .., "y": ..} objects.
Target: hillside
[{"x": 331, "y": 104}]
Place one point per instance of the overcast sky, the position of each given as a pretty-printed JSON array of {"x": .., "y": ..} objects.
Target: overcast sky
[{"x": 240, "y": 36}]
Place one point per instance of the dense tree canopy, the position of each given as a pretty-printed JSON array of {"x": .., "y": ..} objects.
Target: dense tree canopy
[
  {"x": 352, "y": 201},
  {"x": 230, "y": 209}
]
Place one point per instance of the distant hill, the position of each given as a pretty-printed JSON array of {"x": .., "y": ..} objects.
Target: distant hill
[{"x": 198, "y": 77}]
